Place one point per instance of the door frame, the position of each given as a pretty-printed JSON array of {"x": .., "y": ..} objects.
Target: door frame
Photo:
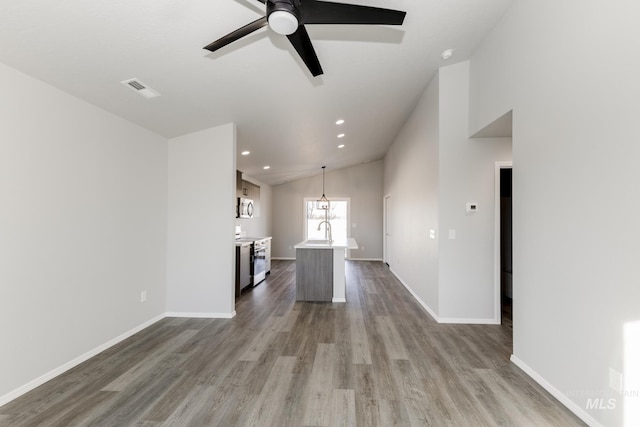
[
  {"x": 497, "y": 269},
  {"x": 385, "y": 231}
]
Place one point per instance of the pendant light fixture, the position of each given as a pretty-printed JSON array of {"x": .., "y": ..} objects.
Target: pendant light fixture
[{"x": 323, "y": 202}]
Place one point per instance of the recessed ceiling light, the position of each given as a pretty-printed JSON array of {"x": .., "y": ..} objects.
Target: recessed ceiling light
[
  {"x": 447, "y": 54},
  {"x": 341, "y": 135},
  {"x": 266, "y": 167},
  {"x": 341, "y": 146},
  {"x": 339, "y": 122},
  {"x": 246, "y": 153}
]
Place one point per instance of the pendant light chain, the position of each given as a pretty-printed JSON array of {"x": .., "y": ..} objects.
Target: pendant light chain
[{"x": 323, "y": 203}]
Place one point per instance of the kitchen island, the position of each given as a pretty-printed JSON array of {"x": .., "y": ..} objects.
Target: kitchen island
[{"x": 320, "y": 272}]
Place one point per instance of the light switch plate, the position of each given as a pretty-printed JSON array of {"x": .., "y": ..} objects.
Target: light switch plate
[{"x": 615, "y": 380}]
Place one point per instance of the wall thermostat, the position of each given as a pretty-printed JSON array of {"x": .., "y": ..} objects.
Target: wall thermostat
[{"x": 472, "y": 207}]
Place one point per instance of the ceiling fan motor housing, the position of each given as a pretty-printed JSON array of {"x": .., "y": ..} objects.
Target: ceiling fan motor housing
[{"x": 283, "y": 16}]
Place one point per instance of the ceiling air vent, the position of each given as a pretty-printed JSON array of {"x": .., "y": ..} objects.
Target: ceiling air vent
[{"x": 141, "y": 88}]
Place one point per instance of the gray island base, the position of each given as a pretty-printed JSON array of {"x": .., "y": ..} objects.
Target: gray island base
[{"x": 320, "y": 272}]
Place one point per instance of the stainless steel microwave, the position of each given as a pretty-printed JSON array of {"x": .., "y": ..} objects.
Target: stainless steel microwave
[{"x": 245, "y": 208}]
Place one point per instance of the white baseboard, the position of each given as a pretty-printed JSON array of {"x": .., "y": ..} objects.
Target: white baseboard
[
  {"x": 443, "y": 319},
  {"x": 570, "y": 404},
  {"x": 88, "y": 355},
  {"x": 338, "y": 300},
  {"x": 75, "y": 362},
  {"x": 461, "y": 321},
  {"x": 417, "y": 298},
  {"x": 202, "y": 315},
  {"x": 351, "y": 259}
]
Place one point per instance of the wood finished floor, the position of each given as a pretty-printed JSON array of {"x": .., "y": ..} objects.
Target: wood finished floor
[{"x": 378, "y": 360}]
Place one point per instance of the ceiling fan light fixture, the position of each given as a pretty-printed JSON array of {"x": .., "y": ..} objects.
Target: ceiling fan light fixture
[
  {"x": 289, "y": 18},
  {"x": 283, "y": 22}
]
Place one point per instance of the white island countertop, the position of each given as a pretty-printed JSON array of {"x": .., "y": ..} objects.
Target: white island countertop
[{"x": 349, "y": 243}]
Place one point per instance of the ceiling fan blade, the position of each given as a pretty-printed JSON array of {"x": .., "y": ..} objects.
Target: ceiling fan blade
[
  {"x": 301, "y": 42},
  {"x": 237, "y": 34},
  {"x": 321, "y": 12}
]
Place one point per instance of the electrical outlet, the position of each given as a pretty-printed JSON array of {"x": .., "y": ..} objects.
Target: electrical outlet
[
  {"x": 615, "y": 380},
  {"x": 143, "y": 296}
]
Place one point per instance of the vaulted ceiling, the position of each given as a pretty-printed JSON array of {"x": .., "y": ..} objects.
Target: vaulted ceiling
[{"x": 373, "y": 75}]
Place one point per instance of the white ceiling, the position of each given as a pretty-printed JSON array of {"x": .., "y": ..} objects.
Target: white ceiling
[{"x": 286, "y": 118}]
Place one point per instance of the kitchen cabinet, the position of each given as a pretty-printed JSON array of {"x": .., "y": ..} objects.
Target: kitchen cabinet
[
  {"x": 243, "y": 267},
  {"x": 320, "y": 269},
  {"x": 250, "y": 190},
  {"x": 314, "y": 275},
  {"x": 238, "y": 184}
]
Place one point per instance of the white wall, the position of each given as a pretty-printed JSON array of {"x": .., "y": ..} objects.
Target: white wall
[
  {"x": 362, "y": 184},
  {"x": 431, "y": 171},
  {"x": 411, "y": 181},
  {"x": 570, "y": 72},
  {"x": 201, "y": 219},
  {"x": 82, "y": 228},
  {"x": 467, "y": 171},
  {"x": 259, "y": 226}
]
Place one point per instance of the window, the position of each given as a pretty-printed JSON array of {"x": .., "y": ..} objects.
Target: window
[{"x": 337, "y": 215}]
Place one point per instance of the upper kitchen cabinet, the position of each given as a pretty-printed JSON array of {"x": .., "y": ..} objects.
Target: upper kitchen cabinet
[
  {"x": 239, "y": 184},
  {"x": 250, "y": 191}
]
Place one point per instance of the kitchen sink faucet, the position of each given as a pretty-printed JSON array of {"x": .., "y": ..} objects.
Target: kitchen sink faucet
[{"x": 327, "y": 228}]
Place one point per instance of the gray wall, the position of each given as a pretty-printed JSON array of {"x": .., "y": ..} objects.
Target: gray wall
[
  {"x": 467, "y": 174},
  {"x": 411, "y": 183},
  {"x": 569, "y": 70},
  {"x": 83, "y": 223},
  {"x": 89, "y": 204},
  {"x": 201, "y": 259},
  {"x": 431, "y": 171},
  {"x": 362, "y": 183}
]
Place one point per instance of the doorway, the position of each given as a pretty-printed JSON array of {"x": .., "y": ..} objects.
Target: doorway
[
  {"x": 503, "y": 270},
  {"x": 506, "y": 246},
  {"x": 386, "y": 237}
]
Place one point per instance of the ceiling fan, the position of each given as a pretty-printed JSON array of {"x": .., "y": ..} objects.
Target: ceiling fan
[{"x": 288, "y": 17}]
